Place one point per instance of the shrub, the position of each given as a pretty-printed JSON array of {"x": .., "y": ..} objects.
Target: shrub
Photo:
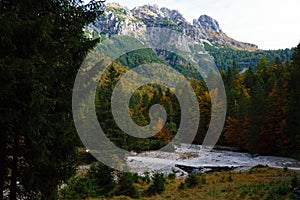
[
  {"x": 276, "y": 190},
  {"x": 125, "y": 186},
  {"x": 172, "y": 176},
  {"x": 192, "y": 180},
  {"x": 181, "y": 186},
  {"x": 98, "y": 181},
  {"x": 146, "y": 178},
  {"x": 158, "y": 184},
  {"x": 102, "y": 176},
  {"x": 79, "y": 188},
  {"x": 294, "y": 181}
]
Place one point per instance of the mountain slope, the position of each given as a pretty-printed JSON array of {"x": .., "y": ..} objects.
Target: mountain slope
[
  {"x": 122, "y": 21},
  {"x": 206, "y": 31}
]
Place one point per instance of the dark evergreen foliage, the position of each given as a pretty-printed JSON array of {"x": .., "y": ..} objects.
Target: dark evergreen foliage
[
  {"x": 158, "y": 184},
  {"x": 191, "y": 180},
  {"x": 42, "y": 47},
  {"x": 224, "y": 56}
]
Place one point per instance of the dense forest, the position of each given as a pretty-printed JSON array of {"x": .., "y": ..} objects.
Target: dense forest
[
  {"x": 262, "y": 113},
  {"x": 42, "y": 47},
  {"x": 224, "y": 56}
]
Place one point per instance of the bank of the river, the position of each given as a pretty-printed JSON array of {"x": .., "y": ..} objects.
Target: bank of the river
[{"x": 195, "y": 156}]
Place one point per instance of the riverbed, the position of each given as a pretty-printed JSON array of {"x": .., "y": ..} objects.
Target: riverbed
[{"x": 196, "y": 156}]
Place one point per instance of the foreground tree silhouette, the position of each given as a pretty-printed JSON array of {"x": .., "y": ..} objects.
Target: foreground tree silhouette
[{"x": 42, "y": 47}]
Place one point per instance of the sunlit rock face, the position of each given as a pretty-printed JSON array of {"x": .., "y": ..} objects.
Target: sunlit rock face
[{"x": 120, "y": 20}]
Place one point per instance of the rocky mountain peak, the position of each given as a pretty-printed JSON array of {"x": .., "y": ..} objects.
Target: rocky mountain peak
[
  {"x": 120, "y": 20},
  {"x": 115, "y": 5},
  {"x": 153, "y": 15},
  {"x": 149, "y": 12},
  {"x": 207, "y": 23},
  {"x": 116, "y": 19},
  {"x": 174, "y": 15}
]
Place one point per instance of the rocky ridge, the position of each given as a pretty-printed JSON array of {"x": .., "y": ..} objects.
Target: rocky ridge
[{"x": 120, "y": 20}]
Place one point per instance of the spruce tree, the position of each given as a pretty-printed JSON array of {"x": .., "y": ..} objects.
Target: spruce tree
[{"x": 42, "y": 47}]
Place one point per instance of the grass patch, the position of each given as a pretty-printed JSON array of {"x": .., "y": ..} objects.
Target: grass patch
[{"x": 262, "y": 183}]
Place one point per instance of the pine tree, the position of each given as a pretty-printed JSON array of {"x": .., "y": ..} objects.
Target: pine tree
[
  {"x": 125, "y": 186},
  {"x": 158, "y": 184},
  {"x": 103, "y": 177},
  {"x": 257, "y": 110},
  {"x": 293, "y": 102},
  {"x": 42, "y": 47}
]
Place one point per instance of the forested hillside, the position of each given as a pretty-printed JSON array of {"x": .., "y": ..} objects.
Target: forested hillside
[
  {"x": 262, "y": 106},
  {"x": 224, "y": 56},
  {"x": 42, "y": 46},
  {"x": 263, "y": 112}
]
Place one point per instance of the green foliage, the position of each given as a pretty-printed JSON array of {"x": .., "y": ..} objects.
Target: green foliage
[
  {"x": 103, "y": 177},
  {"x": 146, "y": 178},
  {"x": 139, "y": 57},
  {"x": 261, "y": 104},
  {"x": 262, "y": 114},
  {"x": 99, "y": 181},
  {"x": 42, "y": 47},
  {"x": 295, "y": 182},
  {"x": 117, "y": 11},
  {"x": 296, "y": 56},
  {"x": 271, "y": 190},
  {"x": 192, "y": 180},
  {"x": 158, "y": 184},
  {"x": 147, "y": 56},
  {"x": 121, "y": 18},
  {"x": 79, "y": 188},
  {"x": 85, "y": 158},
  {"x": 167, "y": 22},
  {"x": 172, "y": 176},
  {"x": 224, "y": 56},
  {"x": 181, "y": 186},
  {"x": 136, "y": 20},
  {"x": 125, "y": 185},
  {"x": 139, "y": 105}
]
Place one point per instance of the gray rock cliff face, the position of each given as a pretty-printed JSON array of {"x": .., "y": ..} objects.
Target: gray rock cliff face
[
  {"x": 117, "y": 20},
  {"x": 207, "y": 23},
  {"x": 122, "y": 21}
]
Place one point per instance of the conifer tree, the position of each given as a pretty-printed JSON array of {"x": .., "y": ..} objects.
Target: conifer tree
[{"x": 42, "y": 47}]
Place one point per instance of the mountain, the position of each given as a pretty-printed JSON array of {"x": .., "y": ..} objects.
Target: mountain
[
  {"x": 120, "y": 20},
  {"x": 206, "y": 31}
]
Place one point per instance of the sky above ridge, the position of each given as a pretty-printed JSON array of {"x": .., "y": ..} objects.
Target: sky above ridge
[{"x": 270, "y": 24}]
